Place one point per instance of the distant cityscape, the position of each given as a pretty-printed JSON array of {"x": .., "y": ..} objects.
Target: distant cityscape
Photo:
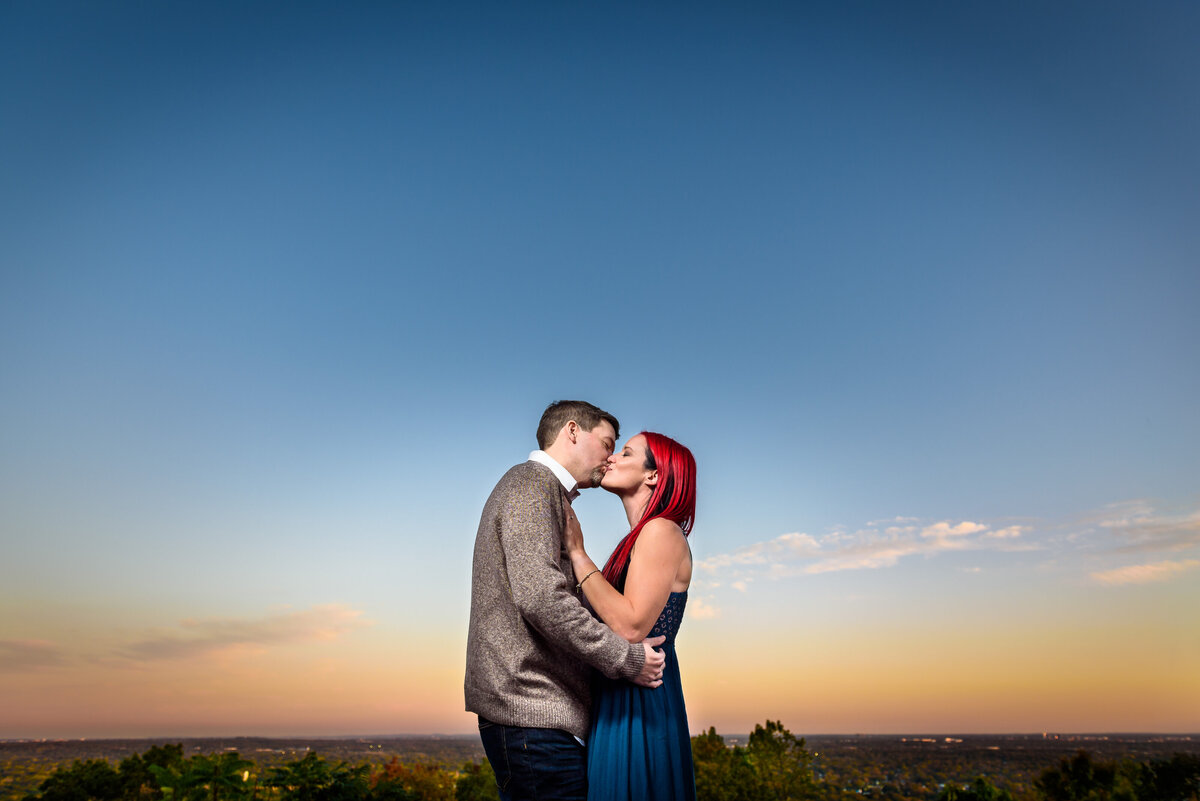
[{"x": 451, "y": 749}]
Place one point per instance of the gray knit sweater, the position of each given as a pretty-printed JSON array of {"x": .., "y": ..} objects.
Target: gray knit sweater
[{"x": 531, "y": 643}]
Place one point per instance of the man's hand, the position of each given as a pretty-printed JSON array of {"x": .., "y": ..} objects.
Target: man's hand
[{"x": 651, "y": 675}]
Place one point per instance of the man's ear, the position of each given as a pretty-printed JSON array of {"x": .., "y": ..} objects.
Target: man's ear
[{"x": 572, "y": 431}]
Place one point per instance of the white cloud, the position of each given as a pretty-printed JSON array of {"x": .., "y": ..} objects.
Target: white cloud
[
  {"x": 1132, "y": 527},
  {"x": 945, "y": 530},
  {"x": 1159, "y": 533},
  {"x": 699, "y": 609},
  {"x": 794, "y": 554},
  {"x": 876, "y": 523},
  {"x": 1145, "y": 574},
  {"x": 1136, "y": 527},
  {"x": 782, "y": 547},
  {"x": 1009, "y": 533},
  {"x": 797, "y": 544},
  {"x": 1125, "y": 513},
  {"x": 885, "y": 555}
]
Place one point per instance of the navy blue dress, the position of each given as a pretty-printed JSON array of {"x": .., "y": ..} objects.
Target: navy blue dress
[{"x": 640, "y": 746}]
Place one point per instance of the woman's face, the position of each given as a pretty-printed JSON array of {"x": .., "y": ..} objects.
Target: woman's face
[{"x": 627, "y": 467}]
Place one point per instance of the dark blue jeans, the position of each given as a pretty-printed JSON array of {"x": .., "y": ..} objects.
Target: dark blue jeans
[{"x": 535, "y": 764}]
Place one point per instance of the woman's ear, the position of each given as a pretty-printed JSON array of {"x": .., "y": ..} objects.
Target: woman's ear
[{"x": 652, "y": 479}]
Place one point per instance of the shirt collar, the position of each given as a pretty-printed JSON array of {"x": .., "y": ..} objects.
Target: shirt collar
[{"x": 560, "y": 472}]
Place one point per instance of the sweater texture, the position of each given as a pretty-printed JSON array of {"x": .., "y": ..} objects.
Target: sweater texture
[{"x": 531, "y": 643}]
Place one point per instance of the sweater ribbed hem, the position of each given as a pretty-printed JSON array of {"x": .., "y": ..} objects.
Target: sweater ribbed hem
[{"x": 561, "y": 713}]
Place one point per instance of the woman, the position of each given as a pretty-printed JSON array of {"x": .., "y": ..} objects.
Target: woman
[{"x": 640, "y": 747}]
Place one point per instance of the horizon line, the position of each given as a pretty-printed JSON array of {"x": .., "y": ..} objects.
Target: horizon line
[{"x": 470, "y": 735}]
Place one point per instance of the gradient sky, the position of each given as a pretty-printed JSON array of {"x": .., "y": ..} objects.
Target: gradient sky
[{"x": 284, "y": 289}]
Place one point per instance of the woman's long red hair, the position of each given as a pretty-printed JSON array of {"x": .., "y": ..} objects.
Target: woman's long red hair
[{"x": 674, "y": 498}]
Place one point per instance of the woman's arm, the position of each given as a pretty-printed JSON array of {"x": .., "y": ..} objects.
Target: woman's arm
[{"x": 653, "y": 565}]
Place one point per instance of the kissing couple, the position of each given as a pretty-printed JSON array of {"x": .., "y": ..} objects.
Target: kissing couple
[{"x": 571, "y": 668}]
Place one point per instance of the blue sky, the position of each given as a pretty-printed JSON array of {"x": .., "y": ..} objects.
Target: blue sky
[{"x": 284, "y": 289}]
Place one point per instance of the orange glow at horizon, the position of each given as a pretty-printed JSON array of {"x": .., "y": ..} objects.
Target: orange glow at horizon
[
  {"x": 871, "y": 682},
  {"x": 1058, "y": 656}
]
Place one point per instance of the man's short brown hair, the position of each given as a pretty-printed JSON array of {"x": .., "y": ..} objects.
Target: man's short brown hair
[{"x": 559, "y": 413}]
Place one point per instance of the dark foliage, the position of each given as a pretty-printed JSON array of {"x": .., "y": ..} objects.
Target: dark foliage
[
  {"x": 83, "y": 781},
  {"x": 979, "y": 790},
  {"x": 315, "y": 779},
  {"x": 772, "y": 765},
  {"x": 1081, "y": 778}
]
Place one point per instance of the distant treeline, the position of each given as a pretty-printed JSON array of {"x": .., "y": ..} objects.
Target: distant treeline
[{"x": 773, "y": 765}]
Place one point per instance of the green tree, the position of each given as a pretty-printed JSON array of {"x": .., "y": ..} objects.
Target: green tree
[
  {"x": 204, "y": 778},
  {"x": 426, "y": 782},
  {"x": 138, "y": 781},
  {"x": 723, "y": 773},
  {"x": 1174, "y": 779},
  {"x": 783, "y": 764},
  {"x": 176, "y": 783},
  {"x": 314, "y": 779},
  {"x": 476, "y": 782},
  {"x": 136, "y": 778},
  {"x": 90, "y": 780},
  {"x": 1077, "y": 779},
  {"x": 224, "y": 775}
]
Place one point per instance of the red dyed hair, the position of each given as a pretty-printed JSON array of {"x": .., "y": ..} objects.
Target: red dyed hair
[{"x": 674, "y": 498}]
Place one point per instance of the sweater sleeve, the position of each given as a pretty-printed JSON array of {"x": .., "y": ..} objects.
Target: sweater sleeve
[{"x": 529, "y": 527}]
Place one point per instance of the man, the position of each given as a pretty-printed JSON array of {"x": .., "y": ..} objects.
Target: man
[{"x": 531, "y": 644}]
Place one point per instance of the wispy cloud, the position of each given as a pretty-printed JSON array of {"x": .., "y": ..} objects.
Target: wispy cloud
[
  {"x": 945, "y": 531},
  {"x": 1088, "y": 545},
  {"x": 870, "y": 555},
  {"x": 1145, "y": 574},
  {"x": 892, "y": 521},
  {"x": 19, "y": 655},
  {"x": 1009, "y": 533},
  {"x": 1139, "y": 529},
  {"x": 784, "y": 546},
  {"x": 198, "y": 638},
  {"x": 873, "y": 547},
  {"x": 700, "y": 609},
  {"x": 1165, "y": 543}
]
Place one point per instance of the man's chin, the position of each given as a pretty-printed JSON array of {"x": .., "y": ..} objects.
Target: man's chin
[{"x": 596, "y": 477}]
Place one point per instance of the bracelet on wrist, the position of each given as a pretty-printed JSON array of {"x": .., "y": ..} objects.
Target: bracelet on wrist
[{"x": 579, "y": 586}]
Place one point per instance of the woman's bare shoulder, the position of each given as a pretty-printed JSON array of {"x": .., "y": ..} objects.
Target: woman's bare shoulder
[{"x": 663, "y": 531}]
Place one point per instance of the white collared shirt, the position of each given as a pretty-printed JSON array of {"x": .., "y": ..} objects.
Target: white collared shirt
[{"x": 560, "y": 472}]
